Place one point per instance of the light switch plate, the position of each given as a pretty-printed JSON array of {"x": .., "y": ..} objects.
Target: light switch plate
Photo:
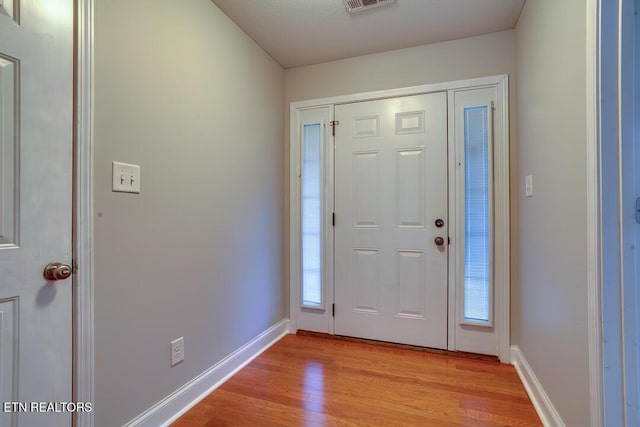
[
  {"x": 126, "y": 178},
  {"x": 528, "y": 186}
]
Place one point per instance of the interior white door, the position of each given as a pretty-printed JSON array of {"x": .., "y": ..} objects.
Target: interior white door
[
  {"x": 36, "y": 163},
  {"x": 390, "y": 192}
]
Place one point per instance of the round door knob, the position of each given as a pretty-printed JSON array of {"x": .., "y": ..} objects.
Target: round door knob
[
  {"x": 439, "y": 241},
  {"x": 57, "y": 271}
]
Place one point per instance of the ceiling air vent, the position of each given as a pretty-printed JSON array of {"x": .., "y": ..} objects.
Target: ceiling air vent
[{"x": 354, "y": 6}]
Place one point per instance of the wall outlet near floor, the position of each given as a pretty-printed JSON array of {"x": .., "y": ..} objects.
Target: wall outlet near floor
[{"x": 177, "y": 351}]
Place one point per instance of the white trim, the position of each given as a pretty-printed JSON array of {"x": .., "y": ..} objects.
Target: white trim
[
  {"x": 502, "y": 256},
  {"x": 454, "y": 253},
  {"x": 620, "y": 118},
  {"x": 502, "y": 314},
  {"x": 612, "y": 405},
  {"x": 83, "y": 352},
  {"x": 393, "y": 93},
  {"x": 180, "y": 401},
  {"x": 541, "y": 402},
  {"x": 295, "y": 249},
  {"x": 615, "y": 336},
  {"x": 594, "y": 283}
]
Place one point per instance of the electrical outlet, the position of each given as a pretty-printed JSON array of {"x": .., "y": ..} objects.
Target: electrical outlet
[{"x": 177, "y": 351}]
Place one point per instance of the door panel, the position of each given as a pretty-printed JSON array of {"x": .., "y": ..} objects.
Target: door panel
[
  {"x": 366, "y": 168},
  {"x": 366, "y": 287},
  {"x": 7, "y": 8},
  {"x": 410, "y": 190},
  {"x": 391, "y": 186},
  {"x": 411, "y": 268},
  {"x": 8, "y": 142},
  {"x": 36, "y": 90}
]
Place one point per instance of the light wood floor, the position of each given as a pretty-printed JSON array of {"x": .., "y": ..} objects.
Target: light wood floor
[{"x": 315, "y": 381}]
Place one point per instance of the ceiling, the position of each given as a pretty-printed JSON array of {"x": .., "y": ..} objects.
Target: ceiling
[{"x": 304, "y": 32}]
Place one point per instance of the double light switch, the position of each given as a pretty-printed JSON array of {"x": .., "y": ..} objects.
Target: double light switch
[{"x": 126, "y": 178}]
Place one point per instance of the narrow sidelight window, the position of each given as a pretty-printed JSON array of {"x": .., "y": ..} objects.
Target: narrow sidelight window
[
  {"x": 477, "y": 215},
  {"x": 311, "y": 216}
]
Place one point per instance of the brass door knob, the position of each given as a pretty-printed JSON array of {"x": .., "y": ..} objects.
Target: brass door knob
[
  {"x": 57, "y": 271},
  {"x": 439, "y": 241}
]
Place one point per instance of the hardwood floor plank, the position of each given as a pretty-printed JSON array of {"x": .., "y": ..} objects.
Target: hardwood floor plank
[{"x": 308, "y": 380}]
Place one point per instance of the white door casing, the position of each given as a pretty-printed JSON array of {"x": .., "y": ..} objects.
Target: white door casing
[
  {"x": 391, "y": 187},
  {"x": 36, "y": 96},
  {"x": 614, "y": 155},
  {"x": 321, "y": 320}
]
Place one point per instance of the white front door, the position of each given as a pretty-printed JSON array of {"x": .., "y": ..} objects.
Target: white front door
[
  {"x": 390, "y": 196},
  {"x": 36, "y": 164}
]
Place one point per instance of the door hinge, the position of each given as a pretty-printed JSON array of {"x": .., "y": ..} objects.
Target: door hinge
[
  {"x": 333, "y": 310},
  {"x": 333, "y": 219},
  {"x": 333, "y": 125},
  {"x": 448, "y": 240}
]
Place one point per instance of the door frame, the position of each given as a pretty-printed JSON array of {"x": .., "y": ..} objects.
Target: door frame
[
  {"x": 594, "y": 217},
  {"x": 502, "y": 201},
  {"x": 83, "y": 308},
  {"x": 609, "y": 307}
]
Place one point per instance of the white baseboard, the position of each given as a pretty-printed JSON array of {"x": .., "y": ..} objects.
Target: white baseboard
[
  {"x": 176, "y": 404},
  {"x": 541, "y": 402}
]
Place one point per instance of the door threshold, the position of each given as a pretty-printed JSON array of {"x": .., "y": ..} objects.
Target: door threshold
[{"x": 462, "y": 354}]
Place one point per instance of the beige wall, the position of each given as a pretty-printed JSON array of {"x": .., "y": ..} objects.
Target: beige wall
[
  {"x": 480, "y": 56},
  {"x": 183, "y": 92},
  {"x": 551, "y": 60}
]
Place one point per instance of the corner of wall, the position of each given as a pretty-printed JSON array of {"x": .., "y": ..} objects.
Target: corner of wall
[{"x": 539, "y": 398}]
